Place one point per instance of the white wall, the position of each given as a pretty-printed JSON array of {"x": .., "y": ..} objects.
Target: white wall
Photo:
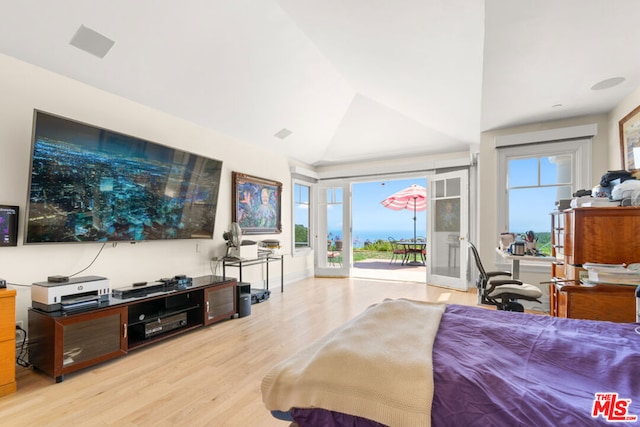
[{"x": 24, "y": 88}]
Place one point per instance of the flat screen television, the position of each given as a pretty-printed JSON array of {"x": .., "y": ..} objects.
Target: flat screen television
[
  {"x": 9, "y": 225},
  {"x": 90, "y": 184}
]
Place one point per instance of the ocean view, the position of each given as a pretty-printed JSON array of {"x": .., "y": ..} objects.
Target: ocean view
[{"x": 361, "y": 236}]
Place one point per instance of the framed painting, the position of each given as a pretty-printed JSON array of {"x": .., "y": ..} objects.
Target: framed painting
[
  {"x": 630, "y": 140},
  {"x": 256, "y": 204}
]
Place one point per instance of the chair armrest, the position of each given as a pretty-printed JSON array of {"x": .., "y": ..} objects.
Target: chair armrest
[
  {"x": 496, "y": 283},
  {"x": 501, "y": 282},
  {"x": 491, "y": 274}
]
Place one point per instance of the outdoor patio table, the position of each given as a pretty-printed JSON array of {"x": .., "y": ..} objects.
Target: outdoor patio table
[{"x": 415, "y": 248}]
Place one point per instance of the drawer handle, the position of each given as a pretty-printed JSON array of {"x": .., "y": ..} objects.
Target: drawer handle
[{"x": 124, "y": 330}]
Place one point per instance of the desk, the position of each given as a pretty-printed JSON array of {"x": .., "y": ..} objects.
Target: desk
[
  {"x": 414, "y": 248},
  {"x": 240, "y": 263},
  {"x": 515, "y": 261}
]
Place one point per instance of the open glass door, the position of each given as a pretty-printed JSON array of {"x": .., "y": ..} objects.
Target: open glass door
[
  {"x": 448, "y": 201},
  {"x": 333, "y": 238}
]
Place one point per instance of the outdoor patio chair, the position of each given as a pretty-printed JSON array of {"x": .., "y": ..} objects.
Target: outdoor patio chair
[
  {"x": 418, "y": 249},
  {"x": 419, "y": 253},
  {"x": 503, "y": 293},
  {"x": 334, "y": 252},
  {"x": 334, "y": 257},
  {"x": 396, "y": 251}
]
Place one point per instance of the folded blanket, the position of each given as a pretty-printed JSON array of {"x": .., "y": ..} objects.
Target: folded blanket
[{"x": 376, "y": 366}]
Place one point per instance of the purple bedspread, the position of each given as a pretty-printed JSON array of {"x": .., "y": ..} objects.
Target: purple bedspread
[{"x": 495, "y": 368}]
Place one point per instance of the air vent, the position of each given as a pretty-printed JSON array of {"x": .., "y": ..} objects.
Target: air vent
[
  {"x": 283, "y": 133},
  {"x": 92, "y": 42}
]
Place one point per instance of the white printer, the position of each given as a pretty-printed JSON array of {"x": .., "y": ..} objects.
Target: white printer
[{"x": 77, "y": 292}]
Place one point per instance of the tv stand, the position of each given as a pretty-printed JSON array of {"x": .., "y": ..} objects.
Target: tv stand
[{"x": 64, "y": 342}]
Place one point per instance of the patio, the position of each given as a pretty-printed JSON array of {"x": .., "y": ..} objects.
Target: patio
[{"x": 382, "y": 269}]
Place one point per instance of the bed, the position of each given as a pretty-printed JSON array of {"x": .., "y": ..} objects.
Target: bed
[{"x": 410, "y": 363}]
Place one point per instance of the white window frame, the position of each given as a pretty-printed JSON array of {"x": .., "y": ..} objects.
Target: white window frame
[
  {"x": 307, "y": 249},
  {"x": 580, "y": 152}
]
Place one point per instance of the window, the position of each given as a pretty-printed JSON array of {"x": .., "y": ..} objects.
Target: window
[
  {"x": 532, "y": 178},
  {"x": 301, "y": 215}
]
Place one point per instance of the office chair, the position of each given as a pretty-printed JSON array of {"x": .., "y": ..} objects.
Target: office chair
[{"x": 503, "y": 293}]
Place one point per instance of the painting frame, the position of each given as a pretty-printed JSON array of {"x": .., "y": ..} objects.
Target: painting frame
[
  {"x": 629, "y": 127},
  {"x": 256, "y": 204}
]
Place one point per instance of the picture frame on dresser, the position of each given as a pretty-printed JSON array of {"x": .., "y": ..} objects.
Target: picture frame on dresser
[{"x": 629, "y": 127}]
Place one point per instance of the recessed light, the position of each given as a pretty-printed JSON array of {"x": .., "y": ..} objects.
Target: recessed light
[
  {"x": 283, "y": 133},
  {"x": 606, "y": 84}
]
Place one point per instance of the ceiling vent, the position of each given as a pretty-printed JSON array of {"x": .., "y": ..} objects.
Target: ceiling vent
[
  {"x": 92, "y": 41},
  {"x": 283, "y": 133}
]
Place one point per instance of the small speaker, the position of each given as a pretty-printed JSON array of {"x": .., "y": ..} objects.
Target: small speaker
[
  {"x": 244, "y": 305},
  {"x": 243, "y": 290}
]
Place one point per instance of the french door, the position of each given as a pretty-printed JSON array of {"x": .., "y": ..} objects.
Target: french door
[
  {"x": 333, "y": 231},
  {"x": 448, "y": 204}
]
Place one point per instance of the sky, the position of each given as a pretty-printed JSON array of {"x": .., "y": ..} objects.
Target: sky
[
  {"x": 369, "y": 213},
  {"x": 530, "y": 208}
]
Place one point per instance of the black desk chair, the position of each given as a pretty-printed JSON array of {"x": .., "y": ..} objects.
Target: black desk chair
[{"x": 503, "y": 293}]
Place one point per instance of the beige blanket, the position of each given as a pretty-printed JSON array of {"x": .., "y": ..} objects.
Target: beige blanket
[{"x": 377, "y": 366}]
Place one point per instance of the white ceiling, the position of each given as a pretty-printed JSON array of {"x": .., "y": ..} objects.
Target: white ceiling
[{"x": 352, "y": 79}]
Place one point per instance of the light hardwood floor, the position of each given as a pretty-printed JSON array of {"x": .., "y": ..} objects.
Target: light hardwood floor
[{"x": 211, "y": 376}]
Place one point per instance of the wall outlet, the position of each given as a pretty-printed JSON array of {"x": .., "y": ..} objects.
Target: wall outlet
[{"x": 19, "y": 335}]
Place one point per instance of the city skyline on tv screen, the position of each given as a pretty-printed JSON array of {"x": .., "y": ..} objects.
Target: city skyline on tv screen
[{"x": 94, "y": 185}]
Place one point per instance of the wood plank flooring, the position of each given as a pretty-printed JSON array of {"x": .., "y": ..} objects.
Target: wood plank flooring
[{"x": 211, "y": 376}]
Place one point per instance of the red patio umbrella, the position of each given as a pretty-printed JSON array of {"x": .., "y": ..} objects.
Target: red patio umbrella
[{"x": 413, "y": 198}]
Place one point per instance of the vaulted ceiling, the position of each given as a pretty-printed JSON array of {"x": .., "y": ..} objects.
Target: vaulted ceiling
[{"x": 351, "y": 79}]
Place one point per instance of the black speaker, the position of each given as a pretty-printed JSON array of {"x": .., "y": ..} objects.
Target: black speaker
[
  {"x": 244, "y": 299},
  {"x": 244, "y": 305}
]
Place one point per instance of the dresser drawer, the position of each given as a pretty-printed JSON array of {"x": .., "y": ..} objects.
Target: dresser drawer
[
  {"x": 7, "y": 315},
  {"x": 7, "y": 366}
]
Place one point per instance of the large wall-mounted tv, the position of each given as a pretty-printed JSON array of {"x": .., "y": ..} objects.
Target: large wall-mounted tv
[{"x": 90, "y": 184}]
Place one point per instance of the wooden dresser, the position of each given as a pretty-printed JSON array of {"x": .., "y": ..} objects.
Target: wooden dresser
[
  {"x": 607, "y": 235},
  {"x": 7, "y": 341}
]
